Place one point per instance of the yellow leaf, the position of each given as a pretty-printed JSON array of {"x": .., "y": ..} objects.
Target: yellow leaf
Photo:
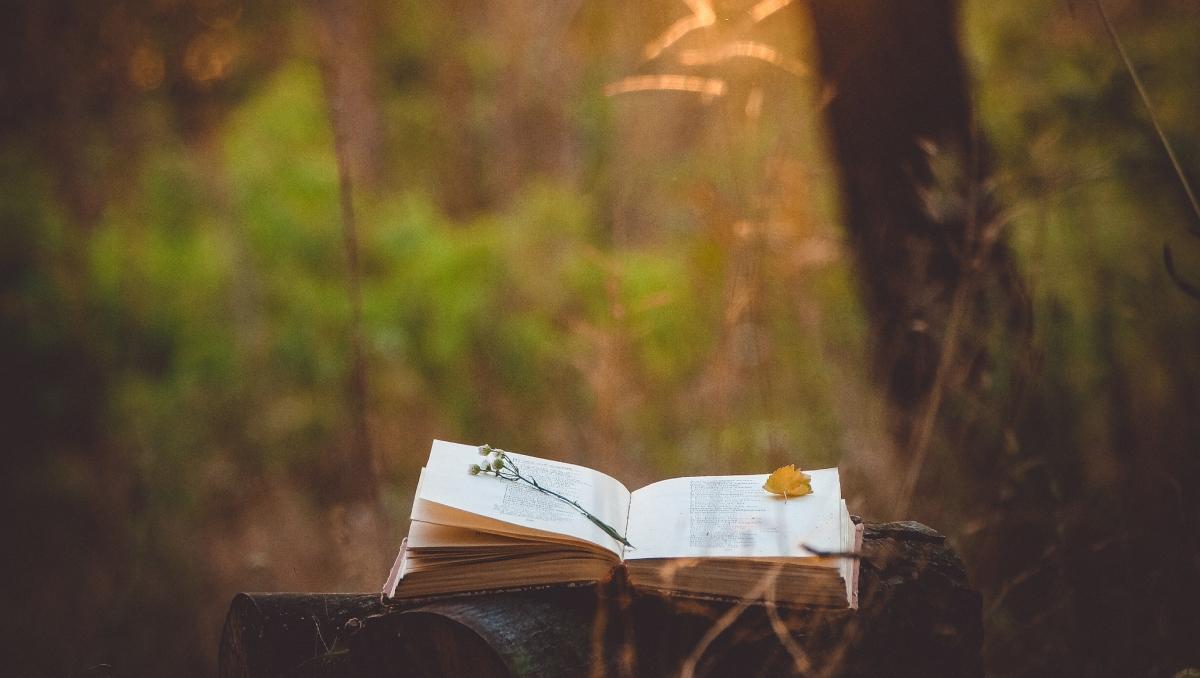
[{"x": 789, "y": 481}]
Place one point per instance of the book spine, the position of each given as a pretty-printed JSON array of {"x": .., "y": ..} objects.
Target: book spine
[{"x": 397, "y": 572}]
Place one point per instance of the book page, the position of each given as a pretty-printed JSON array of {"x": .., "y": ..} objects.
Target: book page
[
  {"x": 732, "y": 516},
  {"x": 445, "y": 481},
  {"x": 422, "y": 535}
]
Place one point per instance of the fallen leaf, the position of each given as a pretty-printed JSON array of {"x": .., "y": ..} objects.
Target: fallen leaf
[{"x": 789, "y": 481}]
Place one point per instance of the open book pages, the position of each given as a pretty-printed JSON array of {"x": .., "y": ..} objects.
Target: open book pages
[
  {"x": 724, "y": 536},
  {"x": 708, "y": 536}
]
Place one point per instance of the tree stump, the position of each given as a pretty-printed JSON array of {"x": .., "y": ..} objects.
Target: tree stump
[{"x": 917, "y": 617}]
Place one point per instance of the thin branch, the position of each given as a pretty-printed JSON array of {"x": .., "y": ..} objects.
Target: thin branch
[
  {"x": 1169, "y": 262},
  {"x": 800, "y": 659},
  {"x": 1137, "y": 82},
  {"x": 688, "y": 668},
  {"x": 923, "y": 433}
]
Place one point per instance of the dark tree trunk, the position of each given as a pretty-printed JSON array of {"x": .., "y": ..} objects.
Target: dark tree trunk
[{"x": 935, "y": 272}]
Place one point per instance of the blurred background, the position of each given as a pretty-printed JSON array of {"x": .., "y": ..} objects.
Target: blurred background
[{"x": 254, "y": 256}]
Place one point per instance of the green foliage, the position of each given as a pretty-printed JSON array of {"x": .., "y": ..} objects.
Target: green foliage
[
  {"x": 674, "y": 300},
  {"x": 1095, "y": 198},
  {"x": 1110, "y": 410}
]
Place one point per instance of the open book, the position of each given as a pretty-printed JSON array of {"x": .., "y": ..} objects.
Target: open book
[{"x": 708, "y": 536}]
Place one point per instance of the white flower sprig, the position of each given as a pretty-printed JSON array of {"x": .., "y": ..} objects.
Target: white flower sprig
[{"x": 496, "y": 462}]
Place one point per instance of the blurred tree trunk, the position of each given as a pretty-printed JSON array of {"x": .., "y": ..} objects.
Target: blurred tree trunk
[
  {"x": 533, "y": 135},
  {"x": 936, "y": 275},
  {"x": 498, "y": 132},
  {"x": 344, "y": 40},
  {"x": 460, "y": 140},
  {"x": 346, "y": 49}
]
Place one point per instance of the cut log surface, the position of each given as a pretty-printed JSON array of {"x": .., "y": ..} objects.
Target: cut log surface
[{"x": 918, "y": 616}]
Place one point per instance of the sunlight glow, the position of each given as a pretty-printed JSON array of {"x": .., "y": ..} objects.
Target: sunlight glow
[
  {"x": 709, "y": 87},
  {"x": 702, "y": 16},
  {"x": 742, "y": 48},
  {"x": 766, "y": 8}
]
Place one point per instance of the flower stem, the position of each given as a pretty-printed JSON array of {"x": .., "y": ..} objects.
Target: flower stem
[{"x": 514, "y": 475}]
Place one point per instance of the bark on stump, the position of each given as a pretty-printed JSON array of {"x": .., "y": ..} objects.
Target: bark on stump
[{"x": 918, "y": 616}]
